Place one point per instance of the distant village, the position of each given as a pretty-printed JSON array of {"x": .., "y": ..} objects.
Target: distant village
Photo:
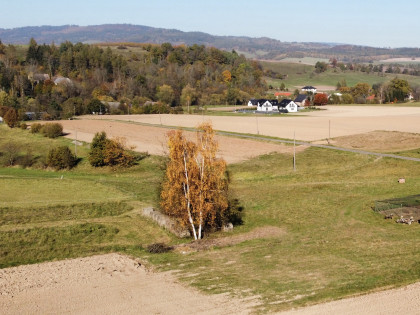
[{"x": 283, "y": 104}]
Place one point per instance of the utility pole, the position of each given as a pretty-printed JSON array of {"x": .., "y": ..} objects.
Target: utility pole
[
  {"x": 294, "y": 151},
  {"x": 75, "y": 143},
  {"x": 258, "y": 130},
  {"x": 329, "y": 130}
]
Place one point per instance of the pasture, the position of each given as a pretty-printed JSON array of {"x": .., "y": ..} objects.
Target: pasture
[
  {"x": 299, "y": 75},
  {"x": 332, "y": 244}
]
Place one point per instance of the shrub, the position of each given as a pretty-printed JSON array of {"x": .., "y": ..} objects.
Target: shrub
[
  {"x": 11, "y": 118},
  {"x": 107, "y": 152},
  {"x": 158, "y": 248},
  {"x": 52, "y": 130},
  {"x": 60, "y": 158},
  {"x": 97, "y": 153},
  {"x": 36, "y": 127},
  {"x": 116, "y": 153},
  {"x": 46, "y": 116},
  {"x": 10, "y": 152},
  {"x": 23, "y": 126}
]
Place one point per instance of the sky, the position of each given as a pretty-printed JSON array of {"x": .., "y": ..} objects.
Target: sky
[{"x": 378, "y": 23}]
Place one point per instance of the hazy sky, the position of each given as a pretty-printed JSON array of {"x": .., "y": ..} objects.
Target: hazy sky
[{"x": 379, "y": 23}]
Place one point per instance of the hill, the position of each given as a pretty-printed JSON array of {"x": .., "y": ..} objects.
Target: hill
[{"x": 258, "y": 48}]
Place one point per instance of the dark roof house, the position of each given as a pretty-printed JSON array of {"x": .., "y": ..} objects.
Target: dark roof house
[{"x": 300, "y": 99}]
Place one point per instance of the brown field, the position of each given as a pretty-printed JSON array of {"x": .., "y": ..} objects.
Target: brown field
[
  {"x": 153, "y": 139},
  {"x": 310, "y": 126},
  {"x": 116, "y": 284},
  {"x": 380, "y": 141},
  {"x": 106, "y": 284}
]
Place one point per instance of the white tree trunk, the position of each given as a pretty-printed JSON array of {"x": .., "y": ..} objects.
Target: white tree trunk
[{"x": 187, "y": 197}]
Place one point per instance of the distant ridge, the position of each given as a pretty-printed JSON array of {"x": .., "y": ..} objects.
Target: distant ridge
[{"x": 263, "y": 47}]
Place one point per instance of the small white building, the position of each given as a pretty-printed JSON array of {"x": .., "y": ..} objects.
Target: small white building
[
  {"x": 255, "y": 102},
  {"x": 309, "y": 88},
  {"x": 288, "y": 106},
  {"x": 268, "y": 106}
]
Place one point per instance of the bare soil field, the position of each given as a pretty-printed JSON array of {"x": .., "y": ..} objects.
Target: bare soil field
[
  {"x": 153, "y": 139},
  {"x": 333, "y": 121},
  {"x": 404, "y": 300},
  {"x": 116, "y": 284},
  {"x": 380, "y": 141},
  {"x": 105, "y": 284}
]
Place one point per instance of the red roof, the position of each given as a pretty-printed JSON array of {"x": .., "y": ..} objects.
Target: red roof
[
  {"x": 370, "y": 98},
  {"x": 282, "y": 94}
]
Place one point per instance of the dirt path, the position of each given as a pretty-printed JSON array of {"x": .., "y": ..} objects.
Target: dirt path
[{"x": 105, "y": 284}]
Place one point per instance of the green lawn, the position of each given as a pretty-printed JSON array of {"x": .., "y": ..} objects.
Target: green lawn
[{"x": 333, "y": 244}]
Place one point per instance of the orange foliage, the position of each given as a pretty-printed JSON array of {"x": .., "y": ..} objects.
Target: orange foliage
[{"x": 195, "y": 188}]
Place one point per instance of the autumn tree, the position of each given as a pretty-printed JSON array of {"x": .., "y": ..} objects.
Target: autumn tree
[
  {"x": 321, "y": 99},
  {"x": 11, "y": 118},
  {"x": 194, "y": 190},
  {"x": 360, "y": 91},
  {"x": 320, "y": 67},
  {"x": 166, "y": 94},
  {"x": 188, "y": 96},
  {"x": 399, "y": 89}
]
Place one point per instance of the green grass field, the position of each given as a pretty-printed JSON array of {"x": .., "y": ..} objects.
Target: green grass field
[
  {"x": 333, "y": 244},
  {"x": 299, "y": 75}
]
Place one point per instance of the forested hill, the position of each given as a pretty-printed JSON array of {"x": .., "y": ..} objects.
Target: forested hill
[
  {"x": 59, "y": 81},
  {"x": 258, "y": 48}
]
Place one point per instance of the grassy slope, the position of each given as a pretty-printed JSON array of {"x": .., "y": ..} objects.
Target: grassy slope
[
  {"x": 300, "y": 75},
  {"x": 334, "y": 244},
  {"x": 44, "y": 217}
]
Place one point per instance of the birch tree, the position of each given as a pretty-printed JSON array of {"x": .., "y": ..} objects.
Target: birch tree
[{"x": 195, "y": 187}]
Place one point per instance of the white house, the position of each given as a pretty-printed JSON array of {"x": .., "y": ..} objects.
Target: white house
[
  {"x": 288, "y": 106},
  {"x": 268, "y": 106},
  {"x": 309, "y": 88},
  {"x": 255, "y": 102}
]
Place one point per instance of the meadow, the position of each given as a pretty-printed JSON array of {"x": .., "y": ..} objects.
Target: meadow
[
  {"x": 333, "y": 244},
  {"x": 299, "y": 75}
]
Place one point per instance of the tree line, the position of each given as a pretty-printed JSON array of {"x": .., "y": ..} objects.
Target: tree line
[{"x": 75, "y": 79}]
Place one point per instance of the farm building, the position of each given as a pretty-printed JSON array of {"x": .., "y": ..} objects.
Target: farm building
[
  {"x": 309, "y": 88},
  {"x": 282, "y": 94},
  {"x": 300, "y": 100}
]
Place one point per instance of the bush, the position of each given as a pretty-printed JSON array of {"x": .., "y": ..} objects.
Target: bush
[
  {"x": 52, "y": 130},
  {"x": 60, "y": 158},
  {"x": 36, "y": 127},
  {"x": 97, "y": 152},
  {"x": 11, "y": 118},
  {"x": 107, "y": 152},
  {"x": 23, "y": 126},
  {"x": 158, "y": 248},
  {"x": 116, "y": 154}
]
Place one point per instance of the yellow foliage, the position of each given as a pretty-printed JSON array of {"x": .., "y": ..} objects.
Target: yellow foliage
[{"x": 195, "y": 187}]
